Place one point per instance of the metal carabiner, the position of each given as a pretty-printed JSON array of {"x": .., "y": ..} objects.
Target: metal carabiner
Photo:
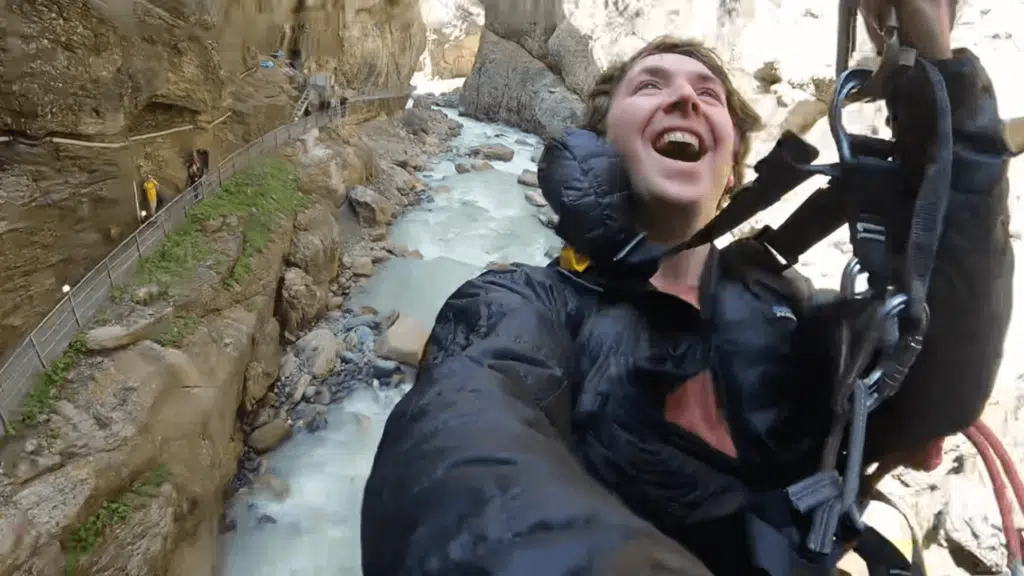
[
  {"x": 846, "y": 35},
  {"x": 861, "y": 84},
  {"x": 848, "y": 83},
  {"x": 894, "y": 304},
  {"x": 848, "y": 280},
  {"x": 892, "y": 53}
]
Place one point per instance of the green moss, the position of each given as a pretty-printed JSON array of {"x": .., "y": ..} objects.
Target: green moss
[
  {"x": 84, "y": 538},
  {"x": 182, "y": 326},
  {"x": 50, "y": 383},
  {"x": 259, "y": 196},
  {"x": 111, "y": 513}
]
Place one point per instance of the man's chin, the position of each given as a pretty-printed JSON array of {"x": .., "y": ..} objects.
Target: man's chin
[{"x": 673, "y": 191}]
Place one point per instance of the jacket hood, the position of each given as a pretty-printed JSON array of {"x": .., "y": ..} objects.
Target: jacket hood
[{"x": 585, "y": 182}]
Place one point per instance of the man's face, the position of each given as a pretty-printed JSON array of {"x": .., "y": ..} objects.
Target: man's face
[{"x": 668, "y": 118}]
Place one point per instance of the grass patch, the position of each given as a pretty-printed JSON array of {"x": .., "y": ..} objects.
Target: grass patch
[
  {"x": 49, "y": 384},
  {"x": 102, "y": 318},
  {"x": 182, "y": 326},
  {"x": 111, "y": 513},
  {"x": 258, "y": 196}
]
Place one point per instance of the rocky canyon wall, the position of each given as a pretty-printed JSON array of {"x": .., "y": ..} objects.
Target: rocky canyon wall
[
  {"x": 121, "y": 465},
  {"x": 563, "y": 44},
  {"x": 104, "y": 71},
  {"x": 453, "y": 37}
]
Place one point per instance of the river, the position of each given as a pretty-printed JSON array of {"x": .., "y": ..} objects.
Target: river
[{"x": 483, "y": 217}]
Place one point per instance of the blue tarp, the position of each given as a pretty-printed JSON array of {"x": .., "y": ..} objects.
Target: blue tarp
[{"x": 266, "y": 64}]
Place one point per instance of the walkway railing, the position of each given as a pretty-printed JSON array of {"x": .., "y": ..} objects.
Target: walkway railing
[{"x": 52, "y": 336}]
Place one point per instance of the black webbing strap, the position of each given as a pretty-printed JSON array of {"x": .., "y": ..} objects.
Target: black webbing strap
[
  {"x": 899, "y": 294},
  {"x": 784, "y": 168}
]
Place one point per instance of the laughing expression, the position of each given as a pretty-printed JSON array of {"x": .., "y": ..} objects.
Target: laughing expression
[{"x": 669, "y": 119}]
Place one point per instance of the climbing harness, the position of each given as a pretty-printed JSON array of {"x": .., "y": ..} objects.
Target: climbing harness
[{"x": 881, "y": 333}]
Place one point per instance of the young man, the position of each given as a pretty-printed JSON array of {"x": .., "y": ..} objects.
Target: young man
[{"x": 565, "y": 422}]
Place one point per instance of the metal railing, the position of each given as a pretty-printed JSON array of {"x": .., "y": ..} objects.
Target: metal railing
[{"x": 48, "y": 341}]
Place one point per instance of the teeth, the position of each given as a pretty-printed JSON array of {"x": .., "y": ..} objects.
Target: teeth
[{"x": 679, "y": 136}]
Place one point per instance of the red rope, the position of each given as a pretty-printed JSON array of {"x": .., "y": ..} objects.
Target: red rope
[{"x": 991, "y": 450}]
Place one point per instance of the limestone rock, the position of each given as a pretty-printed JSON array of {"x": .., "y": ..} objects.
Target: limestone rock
[
  {"x": 323, "y": 178},
  {"x": 317, "y": 246},
  {"x": 362, "y": 266},
  {"x": 269, "y": 436},
  {"x": 145, "y": 407},
  {"x": 403, "y": 342},
  {"x": 301, "y": 301},
  {"x": 510, "y": 86},
  {"x": 498, "y": 152},
  {"x": 371, "y": 208},
  {"x": 113, "y": 337},
  {"x": 535, "y": 199},
  {"x": 262, "y": 368},
  {"x": 318, "y": 351},
  {"x": 453, "y": 37},
  {"x": 528, "y": 178}
]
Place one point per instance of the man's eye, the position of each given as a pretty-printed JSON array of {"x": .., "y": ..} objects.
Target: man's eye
[
  {"x": 646, "y": 84},
  {"x": 710, "y": 93}
]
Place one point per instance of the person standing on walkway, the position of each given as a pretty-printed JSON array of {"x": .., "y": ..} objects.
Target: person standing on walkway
[
  {"x": 152, "y": 189},
  {"x": 195, "y": 170}
]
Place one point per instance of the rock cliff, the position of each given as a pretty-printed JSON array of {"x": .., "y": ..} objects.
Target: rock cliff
[
  {"x": 125, "y": 450},
  {"x": 95, "y": 71},
  {"x": 453, "y": 37}
]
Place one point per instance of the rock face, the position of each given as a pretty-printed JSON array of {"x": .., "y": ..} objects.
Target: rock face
[
  {"x": 496, "y": 90},
  {"x": 561, "y": 45},
  {"x": 125, "y": 470},
  {"x": 106, "y": 71},
  {"x": 148, "y": 435},
  {"x": 453, "y": 36}
]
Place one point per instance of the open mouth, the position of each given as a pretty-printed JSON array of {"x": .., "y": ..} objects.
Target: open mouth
[{"x": 679, "y": 145}]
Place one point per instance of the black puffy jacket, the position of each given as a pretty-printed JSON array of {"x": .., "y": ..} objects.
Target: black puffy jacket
[{"x": 475, "y": 474}]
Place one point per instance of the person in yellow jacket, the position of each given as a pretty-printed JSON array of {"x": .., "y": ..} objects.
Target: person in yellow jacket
[{"x": 151, "y": 187}]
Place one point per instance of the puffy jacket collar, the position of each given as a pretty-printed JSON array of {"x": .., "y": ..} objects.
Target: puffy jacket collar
[{"x": 585, "y": 182}]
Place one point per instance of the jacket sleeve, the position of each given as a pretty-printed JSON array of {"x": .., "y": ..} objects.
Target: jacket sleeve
[
  {"x": 472, "y": 479},
  {"x": 970, "y": 294}
]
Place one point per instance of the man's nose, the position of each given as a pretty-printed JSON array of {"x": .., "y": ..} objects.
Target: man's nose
[{"x": 683, "y": 100}]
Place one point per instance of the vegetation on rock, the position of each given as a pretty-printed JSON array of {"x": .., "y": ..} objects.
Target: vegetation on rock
[
  {"x": 181, "y": 326},
  {"x": 257, "y": 199},
  {"x": 111, "y": 513},
  {"x": 49, "y": 384},
  {"x": 260, "y": 196}
]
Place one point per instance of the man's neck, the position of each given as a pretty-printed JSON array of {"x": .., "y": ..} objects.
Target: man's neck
[
  {"x": 680, "y": 274},
  {"x": 670, "y": 225}
]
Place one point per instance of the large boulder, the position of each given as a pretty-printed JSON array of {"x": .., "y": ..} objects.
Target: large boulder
[
  {"x": 510, "y": 86},
  {"x": 372, "y": 209},
  {"x": 317, "y": 246},
  {"x": 301, "y": 301}
]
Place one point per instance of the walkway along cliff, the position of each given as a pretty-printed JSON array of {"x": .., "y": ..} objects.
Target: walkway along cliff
[{"x": 118, "y": 459}]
